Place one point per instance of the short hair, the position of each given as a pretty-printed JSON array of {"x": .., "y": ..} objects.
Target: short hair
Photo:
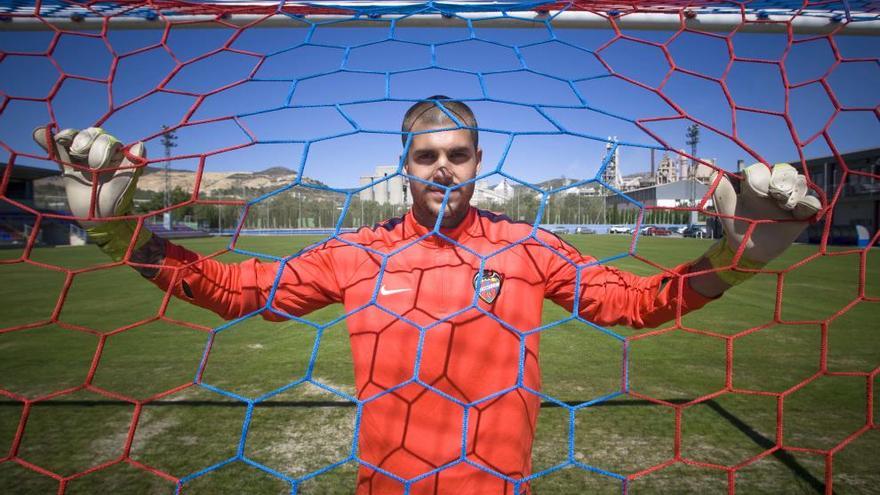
[{"x": 431, "y": 111}]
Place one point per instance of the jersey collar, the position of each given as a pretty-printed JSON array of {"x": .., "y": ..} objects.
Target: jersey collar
[{"x": 458, "y": 233}]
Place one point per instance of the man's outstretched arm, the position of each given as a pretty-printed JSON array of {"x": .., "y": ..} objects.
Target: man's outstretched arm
[
  {"x": 768, "y": 214},
  {"x": 707, "y": 283},
  {"x": 232, "y": 290},
  {"x": 610, "y": 296},
  {"x": 100, "y": 179}
]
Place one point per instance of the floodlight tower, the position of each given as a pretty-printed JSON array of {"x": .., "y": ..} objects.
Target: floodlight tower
[
  {"x": 693, "y": 138},
  {"x": 169, "y": 140}
]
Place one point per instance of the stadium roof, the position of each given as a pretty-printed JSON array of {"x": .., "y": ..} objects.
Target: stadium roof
[{"x": 27, "y": 172}]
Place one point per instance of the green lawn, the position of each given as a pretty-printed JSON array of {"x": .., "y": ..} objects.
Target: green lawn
[{"x": 305, "y": 428}]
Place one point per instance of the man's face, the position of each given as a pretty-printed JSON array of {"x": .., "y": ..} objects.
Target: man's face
[{"x": 446, "y": 158}]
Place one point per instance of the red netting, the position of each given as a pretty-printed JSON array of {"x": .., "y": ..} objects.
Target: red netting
[{"x": 845, "y": 179}]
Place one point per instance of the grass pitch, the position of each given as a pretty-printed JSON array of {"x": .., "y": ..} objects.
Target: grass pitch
[{"x": 305, "y": 428}]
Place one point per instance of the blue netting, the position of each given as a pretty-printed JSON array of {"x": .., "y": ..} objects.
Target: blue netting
[
  {"x": 558, "y": 128},
  {"x": 518, "y": 483}
]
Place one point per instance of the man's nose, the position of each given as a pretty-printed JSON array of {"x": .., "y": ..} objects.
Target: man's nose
[{"x": 442, "y": 175}]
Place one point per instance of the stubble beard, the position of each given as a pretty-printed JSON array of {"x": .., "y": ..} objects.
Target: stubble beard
[{"x": 427, "y": 212}]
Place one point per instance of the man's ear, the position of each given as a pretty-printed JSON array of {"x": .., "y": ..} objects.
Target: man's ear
[{"x": 479, "y": 159}]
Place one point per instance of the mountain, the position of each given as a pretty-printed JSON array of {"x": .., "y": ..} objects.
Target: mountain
[
  {"x": 274, "y": 171},
  {"x": 556, "y": 183},
  {"x": 213, "y": 183}
]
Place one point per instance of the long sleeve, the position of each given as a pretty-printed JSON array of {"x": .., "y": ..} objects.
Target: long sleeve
[
  {"x": 610, "y": 296},
  {"x": 232, "y": 290}
]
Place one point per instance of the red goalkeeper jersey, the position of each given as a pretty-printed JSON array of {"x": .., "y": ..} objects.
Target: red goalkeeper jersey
[{"x": 471, "y": 349}]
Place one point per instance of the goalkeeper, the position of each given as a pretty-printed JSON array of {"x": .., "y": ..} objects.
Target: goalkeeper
[{"x": 469, "y": 356}]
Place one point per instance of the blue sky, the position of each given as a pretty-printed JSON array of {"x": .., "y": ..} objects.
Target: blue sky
[{"x": 309, "y": 75}]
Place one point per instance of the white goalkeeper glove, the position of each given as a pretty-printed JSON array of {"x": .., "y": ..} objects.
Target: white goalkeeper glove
[
  {"x": 780, "y": 194},
  {"x": 114, "y": 192}
]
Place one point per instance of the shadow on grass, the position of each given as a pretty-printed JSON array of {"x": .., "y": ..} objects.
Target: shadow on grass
[{"x": 788, "y": 460}]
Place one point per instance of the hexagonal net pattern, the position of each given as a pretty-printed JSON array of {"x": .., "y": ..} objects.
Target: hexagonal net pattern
[{"x": 442, "y": 392}]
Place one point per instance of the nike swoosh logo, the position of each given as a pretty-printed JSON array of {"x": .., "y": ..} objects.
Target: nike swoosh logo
[{"x": 388, "y": 292}]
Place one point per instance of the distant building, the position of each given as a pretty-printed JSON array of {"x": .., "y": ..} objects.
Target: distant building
[
  {"x": 859, "y": 201},
  {"x": 16, "y": 224},
  {"x": 611, "y": 174},
  {"x": 667, "y": 172},
  {"x": 675, "y": 182},
  {"x": 671, "y": 169},
  {"x": 669, "y": 195},
  {"x": 393, "y": 191},
  {"x": 679, "y": 168},
  {"x": 499, "y": 193}
]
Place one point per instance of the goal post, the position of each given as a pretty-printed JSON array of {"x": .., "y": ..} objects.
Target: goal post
[
  {"x": 838, "y": 18},
  {"x": 595, "y": 117}
]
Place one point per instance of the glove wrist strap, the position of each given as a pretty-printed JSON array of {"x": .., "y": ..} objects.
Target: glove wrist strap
[
  {"x": 721, "y": 256},
  {"x": 114, "y": 237}
]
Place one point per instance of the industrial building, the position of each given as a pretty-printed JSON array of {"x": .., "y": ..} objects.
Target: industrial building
[
  {"x": 669, "y": 195},
  {"x": 391, "y": 191},
  {"x": 858, "y": 203}
]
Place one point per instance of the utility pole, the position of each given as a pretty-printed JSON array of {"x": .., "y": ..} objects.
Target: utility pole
[
  {"x": 169, "y": 140},
  {"x": 516, "y": 195},
  {"x": 404, "y": 185},
  {"x": 693, "y": 138},
  {"x": 372, "y": 198},
  {"x": 387, "y": 196}
]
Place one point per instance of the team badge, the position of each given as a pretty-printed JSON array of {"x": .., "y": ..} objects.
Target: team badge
[{"x": 490, "y": 285}]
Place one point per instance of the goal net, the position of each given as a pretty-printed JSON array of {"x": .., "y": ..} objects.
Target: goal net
[{"x": 273, "y": 127}]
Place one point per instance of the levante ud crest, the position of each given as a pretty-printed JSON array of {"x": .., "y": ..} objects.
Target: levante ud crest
[{"x": 489, "y": 286}]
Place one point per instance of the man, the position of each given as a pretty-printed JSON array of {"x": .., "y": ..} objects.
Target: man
[{"x": 465, "y": 289}]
